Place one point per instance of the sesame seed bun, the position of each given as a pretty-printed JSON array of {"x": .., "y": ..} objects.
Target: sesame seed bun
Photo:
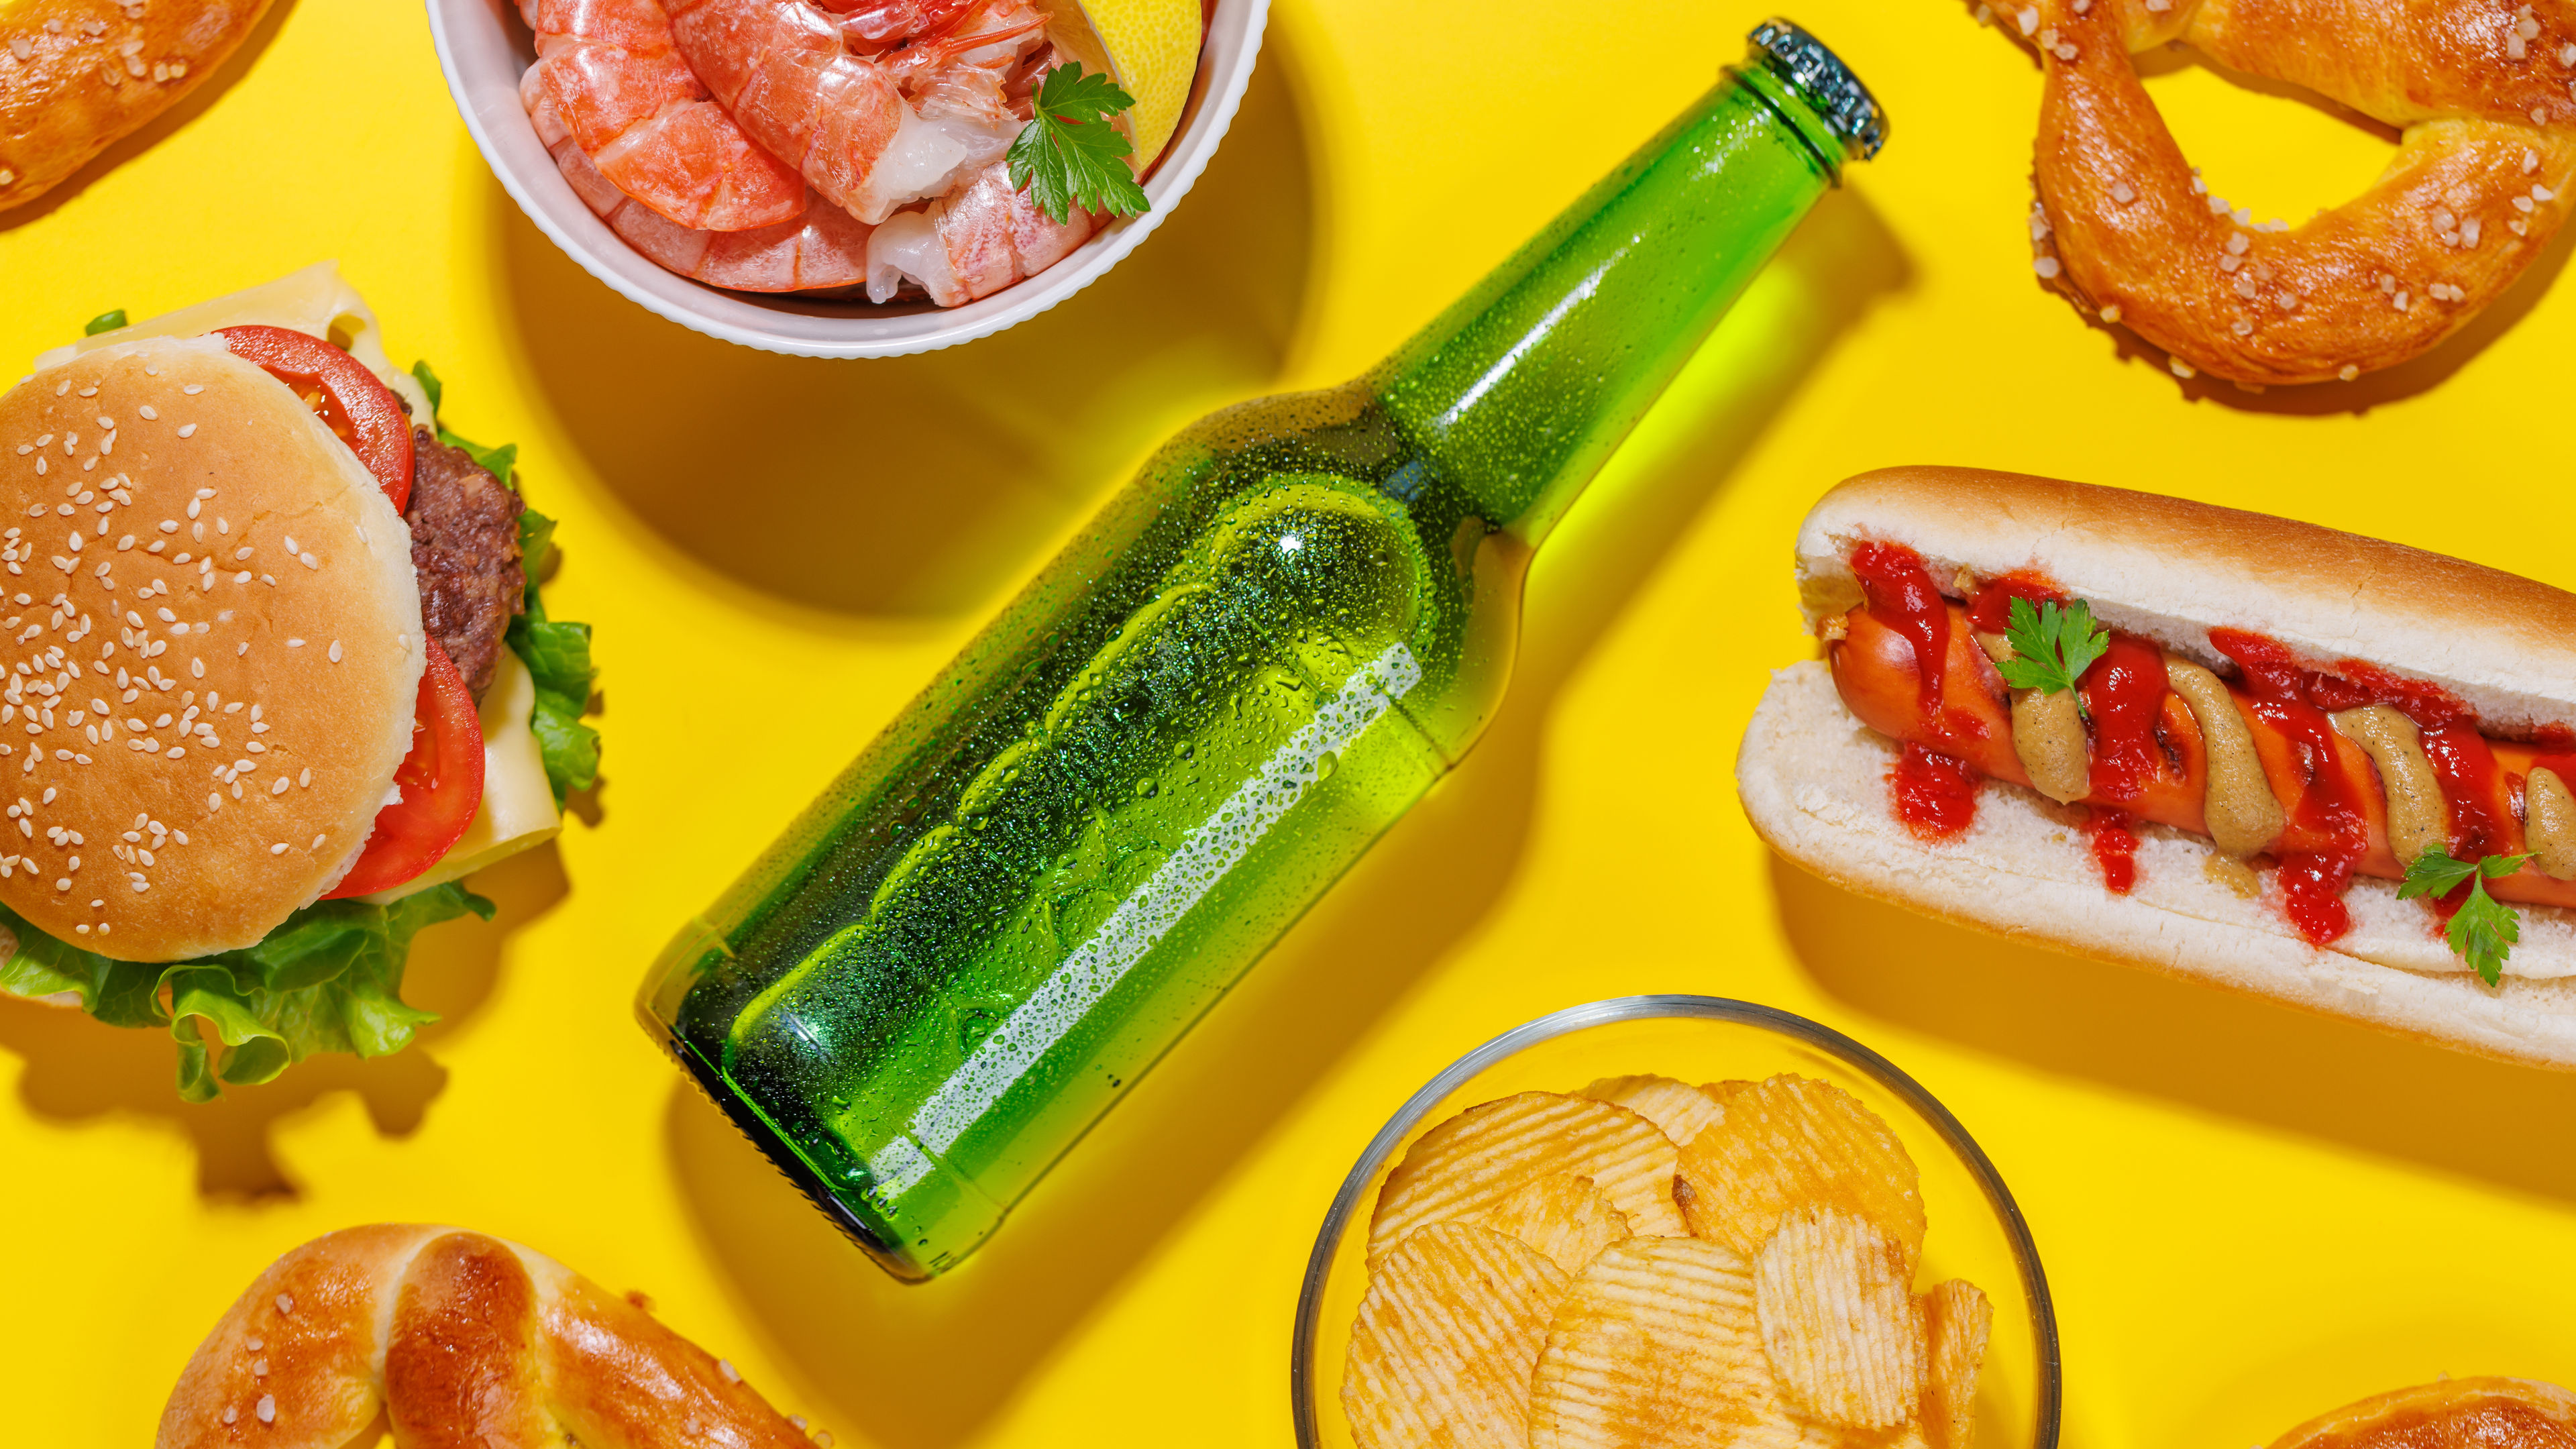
[{"x": 188, "y": 547}]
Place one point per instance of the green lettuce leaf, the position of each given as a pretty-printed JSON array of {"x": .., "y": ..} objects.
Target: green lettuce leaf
[{"x": 328, "y": 980}]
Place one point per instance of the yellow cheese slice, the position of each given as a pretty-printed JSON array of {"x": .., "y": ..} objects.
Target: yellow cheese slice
[
  {"x": 316, "y": 301},
  {"x": 518, "y": 805}
]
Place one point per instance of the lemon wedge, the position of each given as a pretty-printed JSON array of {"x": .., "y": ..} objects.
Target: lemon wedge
[{"x": 1150, "y": 47}]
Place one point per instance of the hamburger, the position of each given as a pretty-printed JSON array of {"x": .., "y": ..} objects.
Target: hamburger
[{"x": 277, "y": 678}]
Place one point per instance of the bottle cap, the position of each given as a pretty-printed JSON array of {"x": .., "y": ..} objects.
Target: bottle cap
[{"x": 1824, "y": 82}]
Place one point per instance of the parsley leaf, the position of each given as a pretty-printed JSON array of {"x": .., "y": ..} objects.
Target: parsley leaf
[
  {"x": 1069, "y": 153},
  {"x": 2052, "y": 647},
  {"x": 104, "y": 322},
  {"x": 2483, "y": 931}
]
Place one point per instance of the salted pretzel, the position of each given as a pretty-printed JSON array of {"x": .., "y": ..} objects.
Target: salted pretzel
[
  {"x": 76, "y": 76},
  {"x": 2480, "y": 90},
  {"x": 451, "y": 1338}
]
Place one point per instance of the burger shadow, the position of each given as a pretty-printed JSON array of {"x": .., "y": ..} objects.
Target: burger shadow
[
  {"x": 2389, "y": 385},
  {"x": 2218, "y": 1052},
  {"x": 80, "y": 1071},
  {"x": 918, "y": 488},
  {"x": 925, "y": 1366},
  {"x": 196, "y": 103}
]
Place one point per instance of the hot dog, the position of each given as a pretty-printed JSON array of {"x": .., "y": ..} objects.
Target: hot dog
[{"x": 2180, "y": 736}]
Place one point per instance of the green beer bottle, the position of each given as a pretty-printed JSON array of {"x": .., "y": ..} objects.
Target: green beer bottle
[{"x": 1263, "y": 652}]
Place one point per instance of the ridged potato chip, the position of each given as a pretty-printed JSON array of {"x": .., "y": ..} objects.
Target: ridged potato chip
[
  {"x": 1461, "y": 1168},
  {"x": 1957, "y": 1318},
  {"x": 1655, "y": 1347},
  {"x": 1790, "y": 1141},
  {"x": 1724, "y": 1092},
  {"x": 1563, "y": 1216},
  {"x": 1446, "y": 1338},
  {"x": 1835, "y": 1298},
  {"x": 1681, "y": 1109}
]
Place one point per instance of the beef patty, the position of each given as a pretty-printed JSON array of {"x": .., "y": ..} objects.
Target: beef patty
[{"x": 465, "y": 548}]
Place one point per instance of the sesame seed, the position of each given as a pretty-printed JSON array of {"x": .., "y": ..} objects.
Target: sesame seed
[
  {"x": 310, "y": 561},
  {"x": 305, "y": 779},
  {"x": 294, "y": 643},
  {"x": 187, "y": 430},
  {"x": 335, "y": 651},
  {"x": 149, "y": 415},
  {"x": 193, "y": 388},
  {"x": 267, "y": 1409},
  {"x": 2046, "y": 267},
  {"x": 259, "y": 1368},
  {"x": 317, "y": 842},
  {"x": 280, "y": 787},
  {"x": 725, "y": 1366},
  {"x": 278, "y": 849},
  {"x": 2180, "y": 367}
]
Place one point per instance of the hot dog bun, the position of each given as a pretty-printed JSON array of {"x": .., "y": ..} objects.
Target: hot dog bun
[
  {"x": 2172, "y": 570},
  {"x": 1813, "y": 779}
]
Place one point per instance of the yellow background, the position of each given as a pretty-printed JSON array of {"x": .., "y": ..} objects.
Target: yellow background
[{"x": 2248, "y": 1216}]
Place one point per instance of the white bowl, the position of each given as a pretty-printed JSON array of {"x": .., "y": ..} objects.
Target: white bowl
[{"x": 483, "y": 47}]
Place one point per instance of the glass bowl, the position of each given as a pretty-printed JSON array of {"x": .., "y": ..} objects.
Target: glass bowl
[
  {"x": 1975, "y": 1230},
  {"x": 483, "y": 47}
]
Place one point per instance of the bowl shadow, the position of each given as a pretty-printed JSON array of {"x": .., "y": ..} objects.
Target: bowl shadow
[
  {"x": 80, "y": 1070},
  {"x": 2214, "y": 1051},
  {"x": 924, "y": 1367},
  {"x": 914, "y": 489},
  {"x": 152, "y": 132}
]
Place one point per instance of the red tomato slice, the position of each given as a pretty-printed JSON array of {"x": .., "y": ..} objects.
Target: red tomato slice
[
  {"x": 359, "y": 409},
  {"x": 441, "y": 781}
]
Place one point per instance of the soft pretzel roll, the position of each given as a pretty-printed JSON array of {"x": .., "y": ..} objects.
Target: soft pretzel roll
[
  {"x": 452, "y": 1338},
  {"x": 2473, "y": 195},
  {"x": 78, "y": 75},
  {"x": 2494, "y": 1413}
]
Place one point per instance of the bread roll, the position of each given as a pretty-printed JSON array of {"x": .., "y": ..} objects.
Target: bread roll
[
  {"x": 213, "y": 648},
  {"x": 78, "y": 75},
  {"x": 449, "y": 1337}
]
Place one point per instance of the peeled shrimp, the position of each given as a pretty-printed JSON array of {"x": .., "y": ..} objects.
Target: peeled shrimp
[
  {"x": 644, "y": 122},
  {"x": 818, "y": 247},
  {"x": 979, "y": 239},
  {"x": 870, "y": 131}
]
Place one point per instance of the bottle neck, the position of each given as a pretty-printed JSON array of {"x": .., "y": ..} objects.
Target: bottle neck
[{"x": 1521, "y": 390}]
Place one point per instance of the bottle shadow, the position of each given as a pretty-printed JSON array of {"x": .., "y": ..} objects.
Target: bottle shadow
[
  {"x": 79, "y": 1070},
  {"x": 2232, "y": 1056},
  {"x": 923, "y": 1367},
  {"x": 153, "y": 132},
  {"x": 916, "y": 488}
]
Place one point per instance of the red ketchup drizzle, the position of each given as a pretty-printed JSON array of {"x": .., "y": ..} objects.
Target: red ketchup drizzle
[
  {"x": 1992, "y": 611},
  {"x": 2115, "y": 847},
  {"x": 2313, "y": 880},
  {"x": 2124, "y": 693},
  {"x": 1903, "y": 597},
  {"x": 1936, "y": 794}
]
